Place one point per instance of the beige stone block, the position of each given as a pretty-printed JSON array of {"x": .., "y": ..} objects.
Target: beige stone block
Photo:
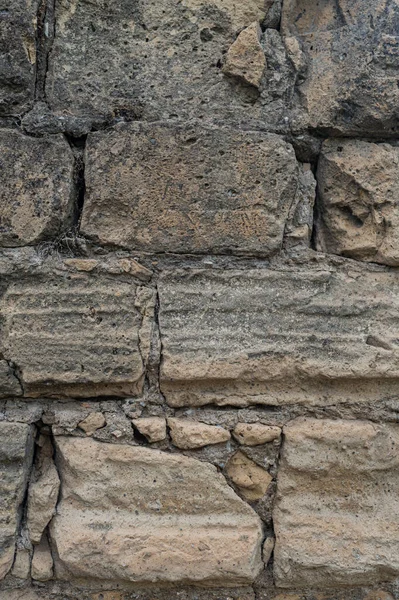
[
  {"x": 188, "y": 434},
  {"x": 251, "y": 479},
  {"x": 153, "y": 428},
  {"x": 42, "y": 561},
  {"x": 92, "y": 422},
  {"x": 255, "y": 434},
  {"x": 245, "y": 58}
]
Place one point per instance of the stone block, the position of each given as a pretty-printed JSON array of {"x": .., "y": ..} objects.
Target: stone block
[
  {"x": 157, "y": 517},
  {"x": 177, "y": 189},
  {"x": 335, "y": 517},
  {"x": 9, "y": 384},
  {"x": 187, "y": 434}
]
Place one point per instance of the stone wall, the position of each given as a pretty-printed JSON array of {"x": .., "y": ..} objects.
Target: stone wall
[{"x": 199, "y": 300}]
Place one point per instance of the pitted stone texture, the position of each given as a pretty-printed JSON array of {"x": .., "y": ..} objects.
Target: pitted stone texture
[
  {"x": 18, "y": 27},
  {"x": 353, "y": 53},
  {"x": 251, "y": 479},
  {"x": 9, "y": 384},
  {"x": 152, "y": 428},
  {"x": 358, "y": 185},
  {"x": 37, "y": 189},
  {"x": 254, "y": 434},
  {"x": 168, "y": 189},
  {"x": 150, "y": 60},
  {"x": 157, "y": 517},
  {"x": 279, "y": 336},
  {"x": 74, "y": 335},
  {"x": 187, "y": 434},
  {"x": 16, "y": 453},
  {"x": 336, "y": 513},
  {"x": 245, "y": 58}
]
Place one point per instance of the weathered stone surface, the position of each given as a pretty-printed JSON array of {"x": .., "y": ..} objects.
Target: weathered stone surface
[
  {"x": 358, "y": 186},
  {"x": 9, "y": 384},
  {"x": 156, "y": 516},
  {"x": 84, "y": 330},
  {"x": 43, "y": 492},
  {"x": 249, "y": 477},
  {"x": 187, "y": 434},
  {"x": 271, "y": 336},
  {"x": 168, "y": 189},
  {"x": 42, "y": 561},
  {"x": 267, "y": 549},
  {"x": 335, "y": 517},
  {"x": 245, "y": 58},
  {"x": 37, "y": 190},
  {"x": 254, "y": 434},
  {"x": 299, "y": 227},
  {"x": 21, "y": 566},
  {"x": 353, "y": 52},
  {"x": 153, "y": 428},
  {"x": 92, "y": 422},
  {"x": 17, "y": 56},
  {"x": 16, "y": 451}
]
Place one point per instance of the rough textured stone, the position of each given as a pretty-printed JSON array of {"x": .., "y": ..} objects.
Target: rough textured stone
[
  {"x": 267, "y": 549},
  {"x": 37, "y": 193},
  {"x": 16, "y": 451},
  {"x": 299, "y": 227},
  {"x": 245, "y": 58},
  {"x": 187, "y": 434},
  {"x": 254, "y": 434},
  {"x": 335, "y": 516},
  {"x": 249, "y": 477},
  {"x": 92, "y": 422},
  {"x": 94, "y": 317},
  {"x": 43, "y": 492},
  {"x": 194, "y": 189},
  {"x": 353, "y": 53},
  {"x": 17, "y": 56},
  {"x": 358, "y": 186},
  {"x": 153, "y": 428},
  {"x": 157, "y": 517},
  {"x": 42, "y": 561},
  {"x": 271, "y": 336},
  {"x": 21, "y": 566},
  {"x": 9, "y": 384}
]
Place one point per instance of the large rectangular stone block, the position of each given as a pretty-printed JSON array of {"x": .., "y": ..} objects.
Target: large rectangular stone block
[
  {"x": 270, "y": 336},
  {"x": 352, "y": 47},
  {"x": 76, "y": 333},
  {"x": 16, "y": 455},
  {"x": 168, "y": 189},
  {"x": 150, "y": 517},
  {"x": 18, "y": 26},
  {"x": 337, "y": 508},
  {"x": 37, "y": 194}
]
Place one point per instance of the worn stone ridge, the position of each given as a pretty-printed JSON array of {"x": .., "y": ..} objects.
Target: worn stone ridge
[
  {"x": 77, "y": 333},
  {"x": 358, "y": 200},
  {"x": 157, "y": 517},
  {"x": 164, "y": 188},
  {"x": 335, "y": 516},
  {"x": 353, "y": 53},
  {"x": 37, "y": 195},
  {"x": 311, "y": 336},
  {"x": 16, "y": 454}
]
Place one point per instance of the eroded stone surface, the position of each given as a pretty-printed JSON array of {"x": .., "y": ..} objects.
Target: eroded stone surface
[
  {"x": 353, "y": 60},
  {"x": 254, "y": 434},
  {"x": 279, "y": 336},
  {"x": 37, "y": 193},
  {"x": 92, "y": 422},
  {"x": 157, "y": 517},
  {"x": 84, "y": 330},
  {"x": 245, "y": 58},
  {"x": 187, "y": 434},
  {"x": 42, "y": 561},
  {"x": 9, "y": 384},
  {"x": 153, "y": 428},
  {"x": 251, "y": 479},
  {"x": 358, "y": 185},
  {"x": 335, "y": 517},
  {"x": 16, "y": 452},
  {"x": 168, "y": 189}
]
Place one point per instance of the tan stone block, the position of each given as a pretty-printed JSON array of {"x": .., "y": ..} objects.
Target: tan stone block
[
  {"x": 254, "y": 434},
  {"x": 337, "y": 500},
  {"x": 249, "y": 477},
  {"x": 42, "y": 561},
  {"x": 158, "y": 517},
  {"x": 92, "y": 422},
  {"x": 181, "y": 189},
  {"x": 245, "y": 58},
  {"x": 37, "y": 191},
  {"x": 153, "y": 428},
  {"x": 187, "y": 434},
  {"x": 21, "y": 566}
]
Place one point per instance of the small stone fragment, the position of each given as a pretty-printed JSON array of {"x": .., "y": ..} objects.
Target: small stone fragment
[
  {"x": 42, "y": 562},
  {"x": 43, "y": 493},
  {"x": 9, "y": 384},
  {"x": 255, "y": 434},
  {"x": 245, "y": 58},
  {"x": 92, "y": 422},
  {"x": 268, "y": 547},
  {"x": 249, "y": 477},
  {"x": 21, "y": 567},
  {"x": 192, "y": 434},
  {"x": 153, "y": 428}
]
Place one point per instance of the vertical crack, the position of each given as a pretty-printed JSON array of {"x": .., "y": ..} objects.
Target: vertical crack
[
  {"x": 44, "y": 41},
  {"x": 316, "y": 210},
  {"x": 78, "y": 145}
]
